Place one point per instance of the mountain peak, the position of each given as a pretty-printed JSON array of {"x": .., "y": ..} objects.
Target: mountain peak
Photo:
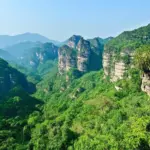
[
  {"x": 73, "y": 40},
  {"x": 6, "y": 40}
]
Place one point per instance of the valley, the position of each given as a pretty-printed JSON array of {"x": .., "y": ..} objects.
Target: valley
[{"x": 81, "y": 94}]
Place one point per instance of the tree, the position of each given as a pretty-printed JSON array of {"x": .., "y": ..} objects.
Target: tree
[{"x": 142, "y": 58}]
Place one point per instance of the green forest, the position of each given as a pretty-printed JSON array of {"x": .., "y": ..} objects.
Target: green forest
[{"x": 41, "y": 109}]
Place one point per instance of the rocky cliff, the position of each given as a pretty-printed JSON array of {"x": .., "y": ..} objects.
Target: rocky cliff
[
  {"x": 146, "y": 83},
  {"x": 119, "y": 53},
  {"x": 67, "y": 59},
  {"x": 80, "y": 54},
  {"x": 74, "y": 55},
  {"x": 115, "y": 65}
]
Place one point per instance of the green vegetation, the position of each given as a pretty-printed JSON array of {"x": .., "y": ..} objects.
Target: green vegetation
[
  {"x": 142, "y": 58},
  {"x": 77, "y": 111},
  {"x": 130, "y": 40},
  {"x": 91, "y": 114}
]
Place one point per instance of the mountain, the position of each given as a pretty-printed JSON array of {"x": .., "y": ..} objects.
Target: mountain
[
  {"x": 80, "y": 55},
  {"x": 6, "y": 40},
  {"x": 6, "y": 55},
  {"x": 98, "y": 109},
  {"x": 10, "y": 77},
  {"x": 18, "y": 50},
  {"x": 100, "y": 40},
  {"x": 39, "y": 55},
  {"x": 120, "y": 53}
]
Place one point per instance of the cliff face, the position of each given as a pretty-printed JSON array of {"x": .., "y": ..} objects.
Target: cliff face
[
  {"x": 119, "y": 53},
  {"x": 74, "y": 55},
  {"x": 82, "y": 55},
  {"x": 146, "y": 83},
  {"x": 73, "y": 41},
  {"x": 66, "y": 59}
]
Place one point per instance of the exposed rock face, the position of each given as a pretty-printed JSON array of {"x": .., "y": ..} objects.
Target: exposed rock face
[
  {"x": 80, "y": 54},
  {"x": 75, "y": 55},
  {"x": 66, "y": 59},
  {"x": 73, "y": 41},
  {"x": 83, "y": 57},
  {"x": 119, "y": 52},
  {"x": 146, "y": 83},
  {"x": 115, "y": 68},
  {"x": 119, "y": 71},
  {"x": 106, "y": 63}
]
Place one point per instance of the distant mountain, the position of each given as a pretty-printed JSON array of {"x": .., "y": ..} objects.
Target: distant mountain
[
  {"x": 6, "y": 55},
  {"x": 6, "y": 40},
  {"x": 76, "y": 38},
  {"x": 19, "y": 49},
  {"x": 38, "y": 55},
  {"x": 100, "y": 40}
]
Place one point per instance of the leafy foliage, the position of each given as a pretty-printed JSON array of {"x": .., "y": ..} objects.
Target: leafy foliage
[{"x": 142, "y": 58}]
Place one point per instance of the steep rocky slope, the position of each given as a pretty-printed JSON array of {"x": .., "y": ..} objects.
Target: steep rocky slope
[
  {"x": 80, "y": 54},
  {"x": 119, "y": 53}
]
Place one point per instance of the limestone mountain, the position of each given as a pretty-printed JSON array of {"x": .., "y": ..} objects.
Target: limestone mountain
[
  {"x": 80, "y": 54},
  {"x": 119, "y": 52}
]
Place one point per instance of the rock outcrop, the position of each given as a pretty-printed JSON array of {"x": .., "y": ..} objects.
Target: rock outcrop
[
  {"x": 73, "y": 41},
  {"x": 83, "y": 56},
  {"x": 146, "y": 83},
  {"x": 115, "y": 66},
  {"x": 66, "y": 59},
  {"x": 74, "y": 55},
  {"x": 80, "y": 54},
  {"x": 106, "y": 63},
  {"x": 119, "y": 53}
]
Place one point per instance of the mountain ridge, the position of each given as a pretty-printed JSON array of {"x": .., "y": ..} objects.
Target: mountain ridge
[{"x": 8, "y": 40}]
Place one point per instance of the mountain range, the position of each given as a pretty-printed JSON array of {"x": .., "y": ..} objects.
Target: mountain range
[
  {"x": 6, "y": 40},
  {"x": 85, "y": 94}
]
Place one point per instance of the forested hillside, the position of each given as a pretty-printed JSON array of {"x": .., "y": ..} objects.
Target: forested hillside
[{"x": 75, "y": 107}]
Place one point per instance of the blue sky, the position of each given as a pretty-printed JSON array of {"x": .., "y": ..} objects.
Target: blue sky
[{"x": 59, "y": 19}]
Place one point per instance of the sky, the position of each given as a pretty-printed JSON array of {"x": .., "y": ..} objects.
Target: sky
[{"x": 60, "y": 19}]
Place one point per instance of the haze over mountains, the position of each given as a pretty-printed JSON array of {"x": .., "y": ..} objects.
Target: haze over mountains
[
  {"x": 83, "y": 94},
  {"x": 6, "y": 40},
  {"x": 30, "y": 48}
]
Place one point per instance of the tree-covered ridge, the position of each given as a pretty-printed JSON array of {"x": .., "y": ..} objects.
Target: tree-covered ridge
[
  {"x": 37, "y": 55},
  {"x": 84, "y": 113},
  {"x": 130, "y": 40},
  {"x": 10, "y": 77},
  {"x": 89, "y": 113},
  {"x": 15, "y": 106}
]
